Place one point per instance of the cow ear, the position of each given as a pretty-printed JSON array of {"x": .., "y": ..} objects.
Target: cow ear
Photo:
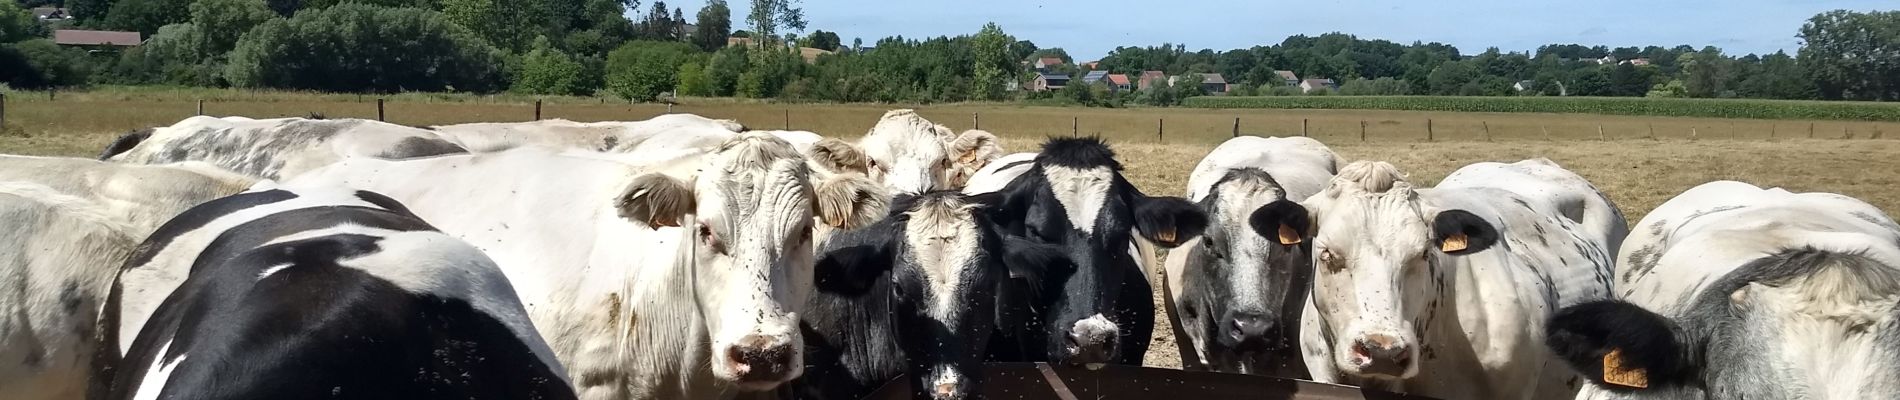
[
  {"x": 969, "y": 152},
  {"x": 850, "y": 201},
  {"x": 1459, "y": 232},
  {"x": 1620, "y": 346},
  {"x": 839, "y": 156},
  {"x": 657, "y": 200},
  {"x": 1282, "y": 220},
  {"x": 854, "y": 260},
  {"x": 1168, "y": 221}
]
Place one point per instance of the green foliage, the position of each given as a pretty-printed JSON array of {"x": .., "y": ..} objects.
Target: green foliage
[
  {"x": 170, "y": 57},
  {"x": 989, "y": 50},
  {"x": 547, "y": 70},
  {"x": 89, "y": 11},
  {"x": 513, "y": 24},
  {"x": 693, "y": 81},
  {"x": 1674, "y": 89},
  {"x": 363, "y": 48},
  {"x": 641, "y": 70},
  {"x": 1703, "y": 108},
  {"x": 767, "y": 16},
  {"x": 39, "y": 64},
  {"x": 16, "y": 23},
  {"x": 714, "y": 26},
  {"x": 221, "y": 22},
  {"x": 656, "y": 24},
  {"x": 1850, "y": 55},
  {"x": 1385, "y": 86},
  {"x": 146, "y": 16},
  {"x": 820, "y": 39}
]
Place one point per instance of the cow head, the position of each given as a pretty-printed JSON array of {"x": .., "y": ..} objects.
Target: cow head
[
  {"x": 747, "y": 213},
  {"x": 1802, "y": 323},
  {"x": 1250, "y": 268},
  {"x": 913, "y": 155},
  {"x": 1069, "y": 219},
  {"x": 1377, "y": 274},
  {"x": 944, "y": 260}
]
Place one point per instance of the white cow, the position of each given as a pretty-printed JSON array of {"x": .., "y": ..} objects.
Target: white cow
[
  {"x": 635, "y": 306},
  {"x": 274, "y": 148},
  {"x": 913, "y": 155},
  {"x": 69, "y": 224},
  {"x": 598, "y": 136},
  {"x": 1732, "y": 291},
  {"x": 1444, "y": 292},
  {"x": 1234, "y": 295}
]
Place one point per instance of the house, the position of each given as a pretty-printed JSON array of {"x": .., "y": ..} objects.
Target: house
[
  {"x": 1288, "y": 77},
  {"x": 76, "y": 37},
  {"x": 1047, "y": 81},
  {"x": 1094, "y": 76},
  {"x": 1607, "y": 60},
  {"x": 739, "y": 41},
  {"x": 1150, "y": 78},
  {"x": 1213, "y": 84},
  {"x": 1636, "y": 62},
  {"x": 1523, "y": 85},
  {"x": 1119, "y": 82},
  {"x": 50, "y": 13},
  {"x": 1314, "y": 84},
  {"x": 1045, "y": 63}
]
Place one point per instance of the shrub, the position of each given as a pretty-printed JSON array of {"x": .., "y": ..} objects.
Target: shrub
[
  {"x": 39, "y": 64},
  {"x": 364, "y": 48},
  {"x": 642, "y": 70},
  {"x": 547, "y": 70}
]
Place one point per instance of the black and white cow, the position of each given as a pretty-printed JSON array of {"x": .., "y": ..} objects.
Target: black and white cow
[
  {"x": 349, "y": 297},
  {"x": 1235, "y": 293},
  {"x": 1732, "y": 291},
  {"x": 1068, "y": 211},
  {"x": 912, "y": 294}
]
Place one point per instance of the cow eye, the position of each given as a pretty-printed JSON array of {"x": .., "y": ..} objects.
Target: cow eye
[
  {"x": 710, "y": 238},
  {"x": 1331, "y": 261}
]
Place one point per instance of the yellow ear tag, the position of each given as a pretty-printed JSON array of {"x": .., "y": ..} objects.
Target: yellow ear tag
[
  {"x": 1166, "y": 236},
  {"x": 1455, "y": 242},
  {"x": 1615, "y": 373},
  {"x": 1288, "y": 236}
]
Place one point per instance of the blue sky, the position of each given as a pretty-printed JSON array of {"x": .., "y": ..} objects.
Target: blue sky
[{"x": 1089, "y": 30}]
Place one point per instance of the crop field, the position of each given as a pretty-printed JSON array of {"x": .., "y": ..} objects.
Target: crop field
[{"x": 1637, "y": 169}]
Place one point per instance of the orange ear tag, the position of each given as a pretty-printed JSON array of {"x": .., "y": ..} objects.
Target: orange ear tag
[{"x": 1615, "y": 372}]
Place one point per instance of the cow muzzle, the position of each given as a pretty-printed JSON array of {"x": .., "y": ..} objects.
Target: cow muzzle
[
  {"x": 760, "y": 362},
  {"x": 1091, "y": 342},
  {"x": 1251, "y": 331},
  {"x": 1382, "y": 355}
]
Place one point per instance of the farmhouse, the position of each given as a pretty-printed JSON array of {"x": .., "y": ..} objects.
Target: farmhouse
[
  {"x": 1311, "y": 84},
  {"x": 96, "y": 40},
  {"x": 1149, "y": 78},
  {"x": 1094, "y": 76},
  {"x": 1119, "y": 82},
  {"x": 1214, "y": 84},
  {"x": 1523, "y": 85},
  {"x": 1047, "y": 81},
  {"x": 1045, "y": 63},
  {"x": 1288, "y": 77}
]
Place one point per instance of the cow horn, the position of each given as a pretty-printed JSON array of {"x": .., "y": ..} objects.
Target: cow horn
[
  {"x": 1288, "y": 236},
  {"x": 1455, "y": 242}
]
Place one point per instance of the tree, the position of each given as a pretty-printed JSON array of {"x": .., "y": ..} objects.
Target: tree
[
  {"x": 221, "y": 22},
  {"x": 89, "y": 11},
  {"x": 146, "y": 16},
  {"x": 641, "y": 70},
  {"x": 39, "y": 64},
  {"x": 284, "y": 8},
  {"x": 990, "y": 51},
  {"x": 16, "y": 23},
  {"x": 365, "y": 48},
  {"x": 547, "y": 70},
  {"x": 1450, "y": 77},
  {"x": 822, "y": 40},
  {"x": 657, "y": 24},
  {"x": 1850, "y": 55},
  {"x": 513, "y": 24},
  {"x": 604, "y": 27},
  {"x": 768, "y": 16},
  {"x": 1383, "y": 86},
  {"x": 1674, "y": 89},
  {"x": 692, "y": 81}
]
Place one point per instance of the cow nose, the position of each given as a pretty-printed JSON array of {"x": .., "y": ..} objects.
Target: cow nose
[
  {"x": 945, "y": 391},
  {"x": 1094, "y": 340},
  {"x": 761, "y": 359},
  {"x": 1382, "y": 355},
  {"x": 1249, "y": 330}
]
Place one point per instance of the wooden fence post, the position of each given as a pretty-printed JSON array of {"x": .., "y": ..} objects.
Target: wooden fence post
[
  {"x": 1303, "y": 128},
  {"x": 1429, "y": 134},
  {"x": 379, "y": 110},
  {"x": 1772, "y": 127},
  {"x": 1487, "y": 130},
  {"x": 669, "y": 108},
  {"x": 201, "y": 107},
  {"x": 1692, "y": 133},
  {"x": 1072, "y": 127},
  {"x": 1600, "y": 135},
  {"x": 1237, "y": 127},
  {"x": 1362, "y": 130},
  {"x": 537, "y": 110},
  {"x": 1160, "y": 126},
  {"x": 1652, "y": 131},
  {"x": 976, "y": 121},
  {"x": 51, "y": 94},
  {"x": 3, "y": 111},
  {"x": 1810, "y": 130},
  {"x": 787, "y": 122},
  {"x": 1546, "y": 129}
]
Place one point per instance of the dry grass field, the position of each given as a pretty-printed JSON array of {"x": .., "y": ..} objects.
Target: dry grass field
[{"x": 1637, "y": 172}]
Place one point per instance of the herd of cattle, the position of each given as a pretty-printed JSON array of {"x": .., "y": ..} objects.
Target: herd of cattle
[{"x": 683, "y": 257}]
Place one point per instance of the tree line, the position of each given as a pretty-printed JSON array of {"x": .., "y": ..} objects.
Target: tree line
[{"x": 589, "y": 47}]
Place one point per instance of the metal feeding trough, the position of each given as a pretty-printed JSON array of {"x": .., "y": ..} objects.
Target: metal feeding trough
[{"x": 1012, "y": 381}]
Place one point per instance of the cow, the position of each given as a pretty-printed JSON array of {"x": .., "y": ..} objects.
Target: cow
[
  {"x": 488, "y": 137},
  {"x": 1234, "y": 295},
  {"x": 349, "y": 298},
  {"x": 69, "y": 223},
  {"x": 1068, "y": 211},
  {"x": 274, "y": 148},
  {"x": 913, "y": 155},
  {"x": 911, "y": 295},
  {"x": 1732, "y": 291},
  {"x": 680, "y": 279},
  {"x": 1444, "y": 292}
]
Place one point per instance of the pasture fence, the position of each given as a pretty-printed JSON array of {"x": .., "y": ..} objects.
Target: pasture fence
[{"x": 52, "y": 113}]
